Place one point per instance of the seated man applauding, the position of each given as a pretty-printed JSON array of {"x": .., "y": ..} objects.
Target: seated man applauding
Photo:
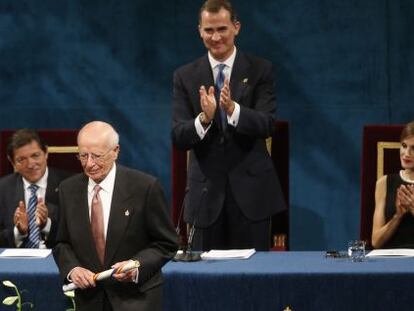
[{"x": 28, "y": 198}]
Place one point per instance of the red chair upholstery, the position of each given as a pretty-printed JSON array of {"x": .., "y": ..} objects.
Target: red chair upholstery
[
  {"x": 179, "y": 179},
  {"x": 62, "y": 146},
  {"x": 278, "y": 146},
  {"x": 380, "y": 156}
]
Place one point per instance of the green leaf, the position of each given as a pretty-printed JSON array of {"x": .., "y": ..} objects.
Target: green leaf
[
  {"x": 9, "y": 284},
  {"x": 8, "y": 301}
]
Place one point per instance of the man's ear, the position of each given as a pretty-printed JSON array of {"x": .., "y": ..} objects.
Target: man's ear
[
  {"x": 118, "y": 149},
  {"x": 200, "y": 31},
  {"x": 46, "y": 152},
  {"x": 237, "y": 25}
]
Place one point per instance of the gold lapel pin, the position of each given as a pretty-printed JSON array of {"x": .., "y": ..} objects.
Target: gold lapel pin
[{"x": 127, "y": 213}]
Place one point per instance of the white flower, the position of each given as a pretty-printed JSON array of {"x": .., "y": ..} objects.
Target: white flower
[
  {"x": 9, "y": 284},
  {"x": 70, "y": 294},
  {"x": 8, "y": 301}
]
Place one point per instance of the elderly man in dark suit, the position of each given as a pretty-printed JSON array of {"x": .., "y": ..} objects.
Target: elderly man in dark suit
[
  {"x": 28, "y": 198},
  {"x": 111, "y": 214},
  {"x": 223, "y": 110}
]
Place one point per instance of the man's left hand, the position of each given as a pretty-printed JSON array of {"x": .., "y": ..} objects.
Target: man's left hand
[
  {"x": 41, "y": 213},
  {"x": 226, "y": 103},
  {"x": 128, "y": 276}
]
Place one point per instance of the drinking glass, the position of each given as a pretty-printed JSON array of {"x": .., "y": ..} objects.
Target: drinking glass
[{"x": 356, "y": 250}]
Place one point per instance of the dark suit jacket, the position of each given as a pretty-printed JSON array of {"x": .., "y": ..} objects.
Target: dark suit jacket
[
  {"x": 11, "y": 192},
  {"x": 139, "y": 228},
  {"x": 237, "y": 155}
]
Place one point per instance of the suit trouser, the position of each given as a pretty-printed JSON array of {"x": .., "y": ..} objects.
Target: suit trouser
[
  {"x": 233, "y": 229},
  {"x": 150, "y": 300},
  {"x": 107, "y": 304}
]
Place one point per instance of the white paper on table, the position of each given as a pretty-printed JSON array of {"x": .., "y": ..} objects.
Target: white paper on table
[
  {"x": 392, "y": 252},
  {"x": 216, "y": 254},
  {"x": 26, "y": 252}
]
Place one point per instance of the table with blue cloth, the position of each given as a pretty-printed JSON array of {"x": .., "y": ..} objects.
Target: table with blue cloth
[
  {"x": 266, "y": 281},
  {"x": 298, "y": 280}
]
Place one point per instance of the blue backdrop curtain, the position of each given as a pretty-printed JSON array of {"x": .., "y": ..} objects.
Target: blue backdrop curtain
[{"x": 338, "y": 65}]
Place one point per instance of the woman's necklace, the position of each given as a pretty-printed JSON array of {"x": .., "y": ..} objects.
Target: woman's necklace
[{"x": 405, "y": 178}]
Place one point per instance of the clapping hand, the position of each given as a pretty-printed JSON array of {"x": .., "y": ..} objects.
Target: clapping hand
[
  {"x": 405, "y": 199},
  {"x": 41, "y": 213},
  {"x": 21, "y": 219},
  {"x": 226, "y": 103},
  {"x": 208, "y": 102}
]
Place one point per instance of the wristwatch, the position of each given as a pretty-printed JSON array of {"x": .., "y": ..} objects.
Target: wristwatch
[{"x": 203, "y": 119}]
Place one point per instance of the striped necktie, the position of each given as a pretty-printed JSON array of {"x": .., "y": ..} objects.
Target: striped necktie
[
  {"x": 34, "y": 232},
  {"x": 219, "y": 85}
]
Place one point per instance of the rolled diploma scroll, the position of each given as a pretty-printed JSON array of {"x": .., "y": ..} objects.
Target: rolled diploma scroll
[{"x": 132, "y": 264}]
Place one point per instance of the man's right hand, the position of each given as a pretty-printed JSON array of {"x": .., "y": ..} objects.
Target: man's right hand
[
  {"x": 208, "y": 102},
  {"x": 82, "y": 278},
  {"x": 21, "y": 219}
]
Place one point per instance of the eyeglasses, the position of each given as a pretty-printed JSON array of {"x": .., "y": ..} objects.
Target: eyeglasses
[
  {"x": 97, "y": 158},
  {"x": 23, "y": 160}
]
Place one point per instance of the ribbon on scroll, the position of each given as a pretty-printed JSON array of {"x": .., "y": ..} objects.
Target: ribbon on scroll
[{"x": 132, "y": 264}]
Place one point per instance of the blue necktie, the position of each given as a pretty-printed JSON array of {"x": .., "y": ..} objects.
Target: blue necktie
[
  {"x": 219, "y": 85},
  {"x": 34, "y": 233}
]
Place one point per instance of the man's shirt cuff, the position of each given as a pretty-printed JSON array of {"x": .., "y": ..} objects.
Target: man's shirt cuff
[
  {"x": 201, "y": 131},
  {"x": 18, "y": 237},
  {"x": 46, "y": 228},
  {"x": 233, "y": 120}
]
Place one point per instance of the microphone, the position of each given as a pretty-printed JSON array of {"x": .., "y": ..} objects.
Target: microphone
[
  {"x": 187, "y": 255},
  {"x": 182, "y": 246},
  {"x": 178, "y": 227}
]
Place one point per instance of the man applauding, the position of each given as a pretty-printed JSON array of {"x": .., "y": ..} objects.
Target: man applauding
[{"x": 28, "y": 197}]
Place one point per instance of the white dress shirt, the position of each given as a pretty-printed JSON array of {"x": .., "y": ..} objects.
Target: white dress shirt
[
  {"x": 106, "y": 193},
  {"x": 233, "y": 120},
  {"x": 41, "y": 193}
]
